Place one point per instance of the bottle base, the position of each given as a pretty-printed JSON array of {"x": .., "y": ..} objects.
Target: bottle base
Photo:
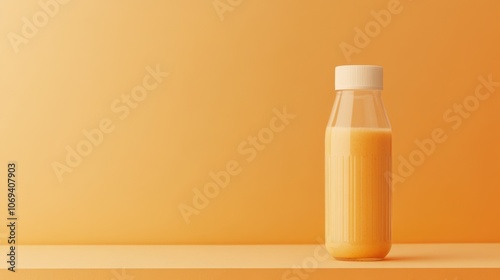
[
  {"x": 359, "y": 259},
  {"x": 358, "y": 252}
]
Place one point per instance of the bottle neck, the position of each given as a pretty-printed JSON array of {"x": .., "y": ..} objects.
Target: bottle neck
[
  {"x": 359, "y": 108},
  {"x": 360, "y": 92}
]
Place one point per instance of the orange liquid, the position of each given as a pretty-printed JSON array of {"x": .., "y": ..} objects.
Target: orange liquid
[{"x": 358, "y": 195}]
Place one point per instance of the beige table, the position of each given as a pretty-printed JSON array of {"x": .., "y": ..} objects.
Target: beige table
[{"x": 405, "y": 261}]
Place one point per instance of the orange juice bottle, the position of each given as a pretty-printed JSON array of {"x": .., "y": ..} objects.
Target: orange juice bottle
[{"x": 358, "y": 161}]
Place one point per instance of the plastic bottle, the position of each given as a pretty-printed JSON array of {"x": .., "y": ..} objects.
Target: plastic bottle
[{"x": 358, "y": 164}]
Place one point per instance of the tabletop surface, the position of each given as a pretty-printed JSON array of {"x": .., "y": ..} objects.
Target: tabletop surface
[{"x": 479, "y": 255}]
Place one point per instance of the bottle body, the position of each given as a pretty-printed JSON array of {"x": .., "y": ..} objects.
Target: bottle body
[{"x": 358, "y": 188}]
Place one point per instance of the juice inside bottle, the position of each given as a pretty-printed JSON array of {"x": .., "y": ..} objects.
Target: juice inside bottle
[
  {"x": 358, "y": 195},
  {"x": 357, "y": 167}
]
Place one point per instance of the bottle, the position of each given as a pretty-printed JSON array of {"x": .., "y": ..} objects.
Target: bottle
[{"x": 358, "y": 164}]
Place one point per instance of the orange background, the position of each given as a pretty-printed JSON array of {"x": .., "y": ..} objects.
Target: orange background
[{"x": 225, "y": 79}]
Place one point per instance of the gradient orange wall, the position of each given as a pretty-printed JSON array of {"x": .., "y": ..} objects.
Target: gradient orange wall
[{"x": 233, "y": 68}]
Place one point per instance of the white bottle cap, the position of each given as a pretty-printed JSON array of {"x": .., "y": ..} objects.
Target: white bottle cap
[{"x": 358, "y": 77}]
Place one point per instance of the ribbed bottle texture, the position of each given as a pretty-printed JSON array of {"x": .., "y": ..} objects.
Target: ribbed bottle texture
[{"x": 358, "y": 193}]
